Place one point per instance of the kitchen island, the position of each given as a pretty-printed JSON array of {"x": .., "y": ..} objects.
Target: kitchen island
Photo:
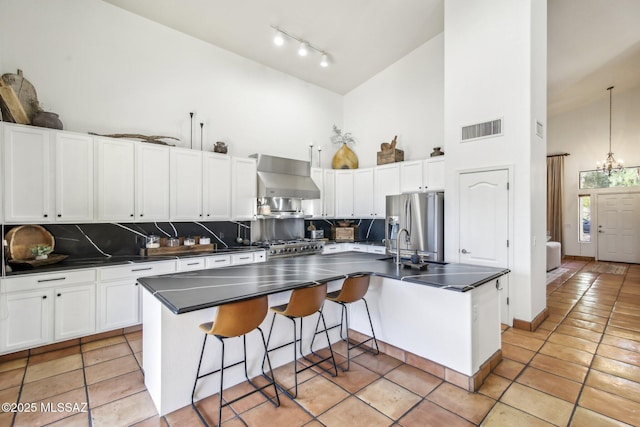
[{"x": 447, "y": 314}]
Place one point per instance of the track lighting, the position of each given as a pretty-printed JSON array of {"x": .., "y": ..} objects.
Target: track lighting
[{"x": 303, "y": 48}]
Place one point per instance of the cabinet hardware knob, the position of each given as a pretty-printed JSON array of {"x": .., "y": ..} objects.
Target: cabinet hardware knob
[
  {"x": 46, "y": 216},
  {"x": 44, "y": 297},
  {"x": 59, "y": 215},
  {"x": 136, "y": 284},
  {"x": 141, "y": 215},
  {"x": 59, "y": 295},
  {"x": 131, "y": 215}
]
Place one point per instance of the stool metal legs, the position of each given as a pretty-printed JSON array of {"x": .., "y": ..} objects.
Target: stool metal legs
[
  {"x": 298, "y": 350},
  {"x": 344, "y": 320},
  {"x": 274, "y": 401}
]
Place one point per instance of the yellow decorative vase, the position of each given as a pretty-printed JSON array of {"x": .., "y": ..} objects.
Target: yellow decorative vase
[{"x": 344, "y": 158}]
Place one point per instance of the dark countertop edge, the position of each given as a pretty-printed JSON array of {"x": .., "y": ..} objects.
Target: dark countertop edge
[
  {"x": 203, "y": 306},
  {"x": 117, "y": 260}
]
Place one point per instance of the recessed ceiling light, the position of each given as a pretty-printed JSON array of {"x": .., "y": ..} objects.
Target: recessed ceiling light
[
  {"x": 278, "y": 39},
  {"x": 324, "y": 61}
]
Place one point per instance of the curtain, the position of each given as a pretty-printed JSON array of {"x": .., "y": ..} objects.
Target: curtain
[{"x": 555, "y": 197}]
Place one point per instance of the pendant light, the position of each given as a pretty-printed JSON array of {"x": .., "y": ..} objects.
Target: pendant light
[{"x": 610, "y": 164}]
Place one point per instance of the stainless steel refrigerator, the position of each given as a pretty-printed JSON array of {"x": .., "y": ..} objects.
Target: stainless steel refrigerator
[{"x": 422, "y": 215}]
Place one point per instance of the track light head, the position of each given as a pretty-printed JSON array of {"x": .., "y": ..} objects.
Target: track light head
[
  {"x": 324, "y": 61},
  {"x": 278, "y": 38},
  {"x": 303, "y": 50}
]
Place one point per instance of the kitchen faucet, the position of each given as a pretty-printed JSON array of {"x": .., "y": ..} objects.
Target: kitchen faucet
[{"x": 407, "y": 239}]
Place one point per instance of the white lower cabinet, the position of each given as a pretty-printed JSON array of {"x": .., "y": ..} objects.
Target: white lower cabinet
[
  {"x": 119, "y": 304},
  {"x": 119, "y": 292},
  {"x": 74, "y": 311},
  {"x": 42, "y": 308},
  {"x": 242, "y": 258},
  {"x": 28, "y": 321},
  {"x": 191, "y": 264}
]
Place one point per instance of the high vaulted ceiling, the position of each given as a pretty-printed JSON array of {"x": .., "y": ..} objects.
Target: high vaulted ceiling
[{"x": 592, "y": 44}]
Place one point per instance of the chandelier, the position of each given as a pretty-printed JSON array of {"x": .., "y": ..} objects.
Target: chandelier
[{"x": 610, "y": 164}]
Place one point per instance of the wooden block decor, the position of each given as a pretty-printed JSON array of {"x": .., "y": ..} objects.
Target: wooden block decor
[
  {"x": 390, "y": 156},
  {"x": 178, "y": 250}
]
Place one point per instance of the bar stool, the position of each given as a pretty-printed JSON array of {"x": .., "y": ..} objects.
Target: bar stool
[
  {"x": 234, "y": 320},
  {"x": 353, "y": 289},
  {"x": 302, "y": 303}
]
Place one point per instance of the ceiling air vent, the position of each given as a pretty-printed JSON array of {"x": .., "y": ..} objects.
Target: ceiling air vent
[{"x": 482, "y": 130}]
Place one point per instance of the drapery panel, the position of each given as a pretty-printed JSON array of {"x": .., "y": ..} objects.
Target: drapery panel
[{"x": 555, "y": 197}]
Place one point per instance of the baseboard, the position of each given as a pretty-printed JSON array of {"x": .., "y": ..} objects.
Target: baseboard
[
  {"x": 469, "y": 383},
  {"x": 533, "y": 325}
]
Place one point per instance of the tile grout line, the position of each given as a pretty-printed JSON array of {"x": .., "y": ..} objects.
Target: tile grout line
[
  {"x": 526, "y": 365},
  {"x": 86, "y": 386},
  {"x": 575, "y": 407}
]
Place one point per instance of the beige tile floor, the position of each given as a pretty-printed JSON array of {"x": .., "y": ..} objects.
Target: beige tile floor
[{"x": 580, "y": 368}]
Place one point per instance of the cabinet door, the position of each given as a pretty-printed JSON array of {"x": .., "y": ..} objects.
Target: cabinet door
[
  {"x": 74, "y": 177},
  {"x": 115, "y": 179},
  {"x": 216, "y": 173},
  {"x": 244, "y": 188},
  {"x": 186, "y": 184},
  {"x": 363, "y": 193},
  {"x": 411, "y": 176},
  {"x": 386, "y": 181},
  {"x": 313, "y": 207},
  {"x": 344, "y": 193},
  {"x": 118, "y": 304},
  {"x": 28, "y": 181},
  {"x": 434, "y": 174},
  {"x": 152, "y": 182},
  {"x": 75, "y": 313},
  {"x": 329, "y": 193},
  {"x": 28, "y": 320}
]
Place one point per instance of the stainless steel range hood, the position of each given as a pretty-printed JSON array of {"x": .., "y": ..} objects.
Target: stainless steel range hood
[{"x": 287, "y": 178}]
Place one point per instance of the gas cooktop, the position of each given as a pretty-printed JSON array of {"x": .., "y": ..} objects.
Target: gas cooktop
[{"x": 289, "y": 248}]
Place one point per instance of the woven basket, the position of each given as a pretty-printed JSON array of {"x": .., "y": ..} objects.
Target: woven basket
[{"x": 22, "y": 238}]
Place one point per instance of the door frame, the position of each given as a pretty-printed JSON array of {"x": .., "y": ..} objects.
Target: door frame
[{"x": 506, "y": 315}]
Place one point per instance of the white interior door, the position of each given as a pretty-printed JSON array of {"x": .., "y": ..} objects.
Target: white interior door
[
  {"x": 484, "y": 224},
  {"x": 619, "y": 227}
]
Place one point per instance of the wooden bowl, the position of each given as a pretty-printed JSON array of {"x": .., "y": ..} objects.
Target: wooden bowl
[{"x": 22, "y": 238}]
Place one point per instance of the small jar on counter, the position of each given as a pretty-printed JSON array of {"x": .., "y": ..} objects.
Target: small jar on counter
[
  {"x": 205, "y": 240},
  {"x": 173, "y": 242},
  {"x": 189, "y": 241}
]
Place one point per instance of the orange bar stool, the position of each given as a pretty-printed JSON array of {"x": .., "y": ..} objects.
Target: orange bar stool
[
  {"x": 353, "y": 289},
  {"x": 234, "y": 320},
  {"x": 302, "y": 303}
]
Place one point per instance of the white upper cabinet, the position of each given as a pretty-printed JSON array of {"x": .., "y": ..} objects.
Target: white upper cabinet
[
  {"x": 434, "y": 173},
  {"x": 422, "y": 175},
  {"x": 73, "y": 177},
  {"x": 28, "y": 182},
  {"x": 216, "y": 176},
  {"x": 344, "y": 193},
  {"x": 386, "y": 181},
  {"x": 411, "y": 176},
  {"x": 115, "y": 164},
  {"x": 313, "y": 207},
  {"x": 186, "y": 184},
  {"x": 329, "y": 193},
  {"x": 363, "y": 193},
  {"x": 244, "y": 188},
  {"x": 152, "y": 182}
]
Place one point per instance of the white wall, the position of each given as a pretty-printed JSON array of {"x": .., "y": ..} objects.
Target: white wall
[
  {"x": 584, "y": 134},
  {"x": 109, "y": 71},
  {"x": 492, "y": 63},
  {"x": 406, "y": 100}
]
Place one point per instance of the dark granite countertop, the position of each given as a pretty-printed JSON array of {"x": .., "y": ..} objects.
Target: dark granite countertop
[
  {"x": 190, "y": 291},
  {"x": 92, "y": 262}
]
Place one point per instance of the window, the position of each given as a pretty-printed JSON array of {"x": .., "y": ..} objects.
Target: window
[
  {"x": 630, "y": 176},
  {"x": 585, "y": 218}
]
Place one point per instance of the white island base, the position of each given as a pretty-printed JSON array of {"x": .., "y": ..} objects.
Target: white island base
[{"x": 457, "y": 330}]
